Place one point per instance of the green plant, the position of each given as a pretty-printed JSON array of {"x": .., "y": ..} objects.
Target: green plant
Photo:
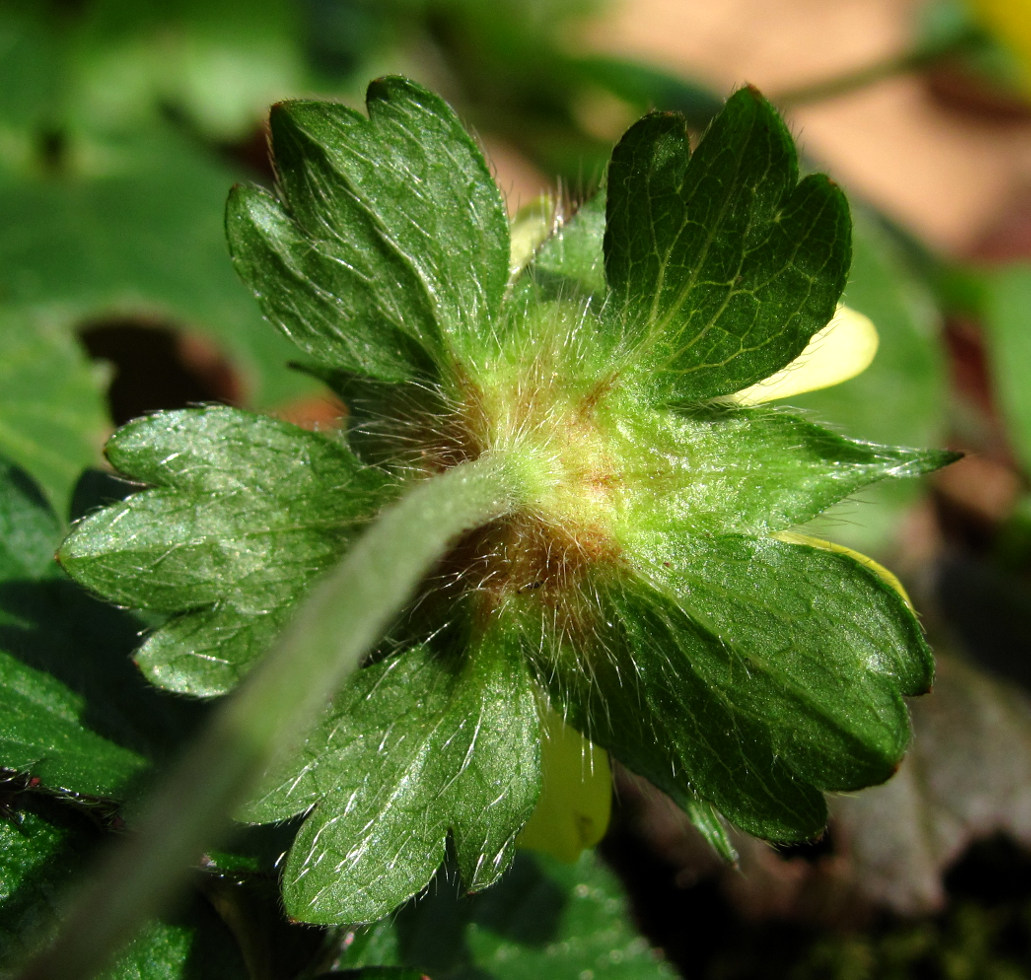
[{"x": 561, "y": 496}]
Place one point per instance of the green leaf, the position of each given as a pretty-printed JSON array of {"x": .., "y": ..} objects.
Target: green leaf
[
  {"x": 389, "y": 252},
  {"x": 139, "y": 237},
  {"x": 44, "y": 733},
  {"x": 545, "y": 919},
  {"x": 41, "y": 852},
  {"x": 711, "y": 481},
  {"x": 244, "y": 512},
  {"x": 1008, "y": 293},
  {"x": 754, "y": 674},
  {"x": 28, "y": 527},
  {"x": 573, "y": 255},
  {"x": 52, "y": 411},
  {"x": 73, "y": 712},
  {"x": 640, "y": 698},
  {"x": 722, "y": 265},
  {"x": 38, "y": 858},
  {"x": 388, "y": 783},
  {"x": 115, "y": 66},
  {"x": 29, "y": 86},
  {"x": 318, "y": 300},
  {"x": 128, "y": 62}
]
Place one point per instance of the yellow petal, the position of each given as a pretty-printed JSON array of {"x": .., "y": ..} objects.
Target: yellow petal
[
  {"x": 841, "y": 350},
  {"x": 576, "y": 797},
  {"x": 1010, "y": 22},
  {"x": 530, "y": 227},
  {"x": 878, "y": 569}
]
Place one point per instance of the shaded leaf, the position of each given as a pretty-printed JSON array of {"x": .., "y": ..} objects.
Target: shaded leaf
[
  {"x": 115, "y": 65},
  {"x": 52, "y": 412},
  {"x": 40, "y": 854},
  {"x": 647, "y": 706},
  {"x": 140, "y": 238},
  {"x": 545, "y": 919},
  {"x": 73, "y": 711},
  {"x": 752, "y": 674}
]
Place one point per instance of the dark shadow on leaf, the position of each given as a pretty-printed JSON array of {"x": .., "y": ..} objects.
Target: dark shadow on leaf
[
  {"x": 53, "y": 626},
  {"x": 525, "y": 907},
  {"x": 28, "y": 908},
  {"x": 98, "y": 488},
  {"x": 29, "y": 913}
]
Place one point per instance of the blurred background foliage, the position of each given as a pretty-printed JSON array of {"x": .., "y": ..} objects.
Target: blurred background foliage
[{"x": 122, "y": 126}]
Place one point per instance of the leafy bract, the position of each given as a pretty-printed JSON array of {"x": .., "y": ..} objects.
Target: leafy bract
[
  {"x": 389, "y": 250},
  {"x": 644, "y": 587},
  {"x": 706, "y": 685},
  {"x": 721, "y": 264},
  {"x": 386, "y": 779},
  {"x": 710, "y": 482},
  {"x": 243, "y": 513}
]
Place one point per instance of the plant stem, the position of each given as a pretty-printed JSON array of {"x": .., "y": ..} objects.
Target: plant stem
[
  {"x": 270, "y": 713},
  {"x": 913, "y": 60}
]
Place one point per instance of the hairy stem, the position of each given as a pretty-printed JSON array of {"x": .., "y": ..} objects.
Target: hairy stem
[{"x": 270, "y": 713}]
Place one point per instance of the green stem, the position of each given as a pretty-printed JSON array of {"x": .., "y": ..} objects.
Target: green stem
[
  {"x": 270, "y": 713},
  {"x": 913, "y": 60}
]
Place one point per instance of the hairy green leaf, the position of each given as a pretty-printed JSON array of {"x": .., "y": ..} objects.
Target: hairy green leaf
[
  {"x": 711, "y": 481},
  {"x": 389, "y": 252},
  {"x": 722, "y": 265},
  {"x": 243, "y": 513},
  {"x": 739, "y": 670},
  {"x": 384, "y": 779},
  {"x": 641, "y": 698}
]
